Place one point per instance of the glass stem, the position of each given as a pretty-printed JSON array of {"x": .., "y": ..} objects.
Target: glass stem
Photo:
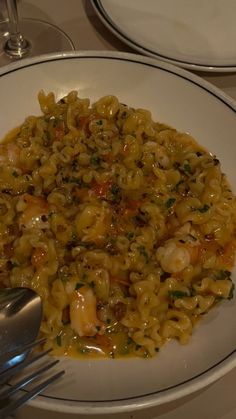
[{"x": 16, "y": 46}]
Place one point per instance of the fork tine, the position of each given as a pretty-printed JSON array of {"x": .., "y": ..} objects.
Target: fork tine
[
  {"x": 5, "y": 375},
  {"x": 14, "y": 404},
  {"x": 7, "y": 392}
]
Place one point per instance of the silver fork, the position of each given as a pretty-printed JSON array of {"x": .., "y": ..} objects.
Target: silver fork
[{"x": 16, "y": 361}]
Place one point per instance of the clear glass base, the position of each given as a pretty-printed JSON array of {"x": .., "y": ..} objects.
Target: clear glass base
[{"x": 42, "y": 37}]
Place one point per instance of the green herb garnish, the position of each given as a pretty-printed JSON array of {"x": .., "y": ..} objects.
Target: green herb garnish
[
  {"x": 14, "y": 263},
  {"x": 78, "y": 285},
  {"x": 187, "y": 169},
  {"x": 142, "y": 250},
  {"x": 130, "y": 235},
  {"x": 203, "y": 209},
  {"x": 223, "y": 275},
  {"x": 116, "y": 193},
  {"x": 170, "y": 202},
  {"x": 176, "y": 187},
  {"x": 178, "y": 294},
  {"x": 95, "y": 160}
]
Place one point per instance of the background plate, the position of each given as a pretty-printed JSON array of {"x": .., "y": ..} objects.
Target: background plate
[{"x": 193, "y": 34}]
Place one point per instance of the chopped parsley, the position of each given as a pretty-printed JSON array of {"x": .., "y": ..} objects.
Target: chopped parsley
[
  {"x": 176, "y": 187},
  {"x": 14, "y": 263},
  {"x": 169, "y": 203},
  {"x": 15, "y": 174},
  {"x": 141, "y": 219},
  {"x": 142, "y": 250},
  {"x": 78, "y": 285},
  {"x": 187, "y": 169},
  {"x": 99, "y": 122},
  {"x": 84, "y": 277},
  {"x": 63, "y": 275},
  {"x": 130, "y": 235},
  {"x": 203, "y": 209},
  {"x": 95, "y": 160},
  {"x": 116, "y": 193},
  {"x": 223, "y": 275},
  {"x": 178, "y": 294}
]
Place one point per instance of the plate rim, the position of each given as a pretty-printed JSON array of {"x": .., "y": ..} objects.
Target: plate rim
[
  {"x": 204, "y": 378},
  {"x": 141, "y": 59},
  {"x": 118, "y": 32}
]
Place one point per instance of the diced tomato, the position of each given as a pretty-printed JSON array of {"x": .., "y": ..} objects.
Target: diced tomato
[
  {"x": 35, "y": 201},
  {"x": 134, "y": 204},
  {"x": 104, "y": 342},
  {"x": 83, "y": 121},
  {"x": 195, "y": 252},
  {"x": 227, "y": 258},
  {"x": 59, "y": 133},
  {"x": 8, "y": 250},
  {"x": 38, "y": 257},
  {"x": 80, "y": 193},
  {"x": 109, "y": 158},
  {"x": 101, "y": 189}
]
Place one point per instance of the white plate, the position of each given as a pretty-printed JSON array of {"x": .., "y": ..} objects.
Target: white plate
[
  {"x": 190, "y": 104},
  {"x": 193, "y": 34}
]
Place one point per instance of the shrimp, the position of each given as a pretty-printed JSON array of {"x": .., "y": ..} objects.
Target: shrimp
[
  {"x": 83, "y": 314},
  {"x": 172, "y": 258},
  {"x": 33, "y": 209},
  {"x": 92, "y": 223},
  {"x": 10, "y": 153}
]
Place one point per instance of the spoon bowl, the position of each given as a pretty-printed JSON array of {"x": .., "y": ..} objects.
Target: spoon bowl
[{"x": 20, "y": 319}]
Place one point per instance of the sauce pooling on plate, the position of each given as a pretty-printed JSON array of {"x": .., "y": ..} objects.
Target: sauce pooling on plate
[{"x": 124, "y": 226}]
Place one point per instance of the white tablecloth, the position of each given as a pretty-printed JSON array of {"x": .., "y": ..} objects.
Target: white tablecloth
[{"x": 77, "y": 19}]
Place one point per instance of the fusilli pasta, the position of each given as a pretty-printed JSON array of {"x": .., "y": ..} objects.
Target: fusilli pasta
[{"x": 124, "y": 226}]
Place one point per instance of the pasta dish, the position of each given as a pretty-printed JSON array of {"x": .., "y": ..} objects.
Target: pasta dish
[{"x": 124, "y": 226}]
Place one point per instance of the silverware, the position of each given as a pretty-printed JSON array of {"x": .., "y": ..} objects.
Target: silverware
[
  {"x": 7, "y": 405},
  {"x": 20, "y": 318}
]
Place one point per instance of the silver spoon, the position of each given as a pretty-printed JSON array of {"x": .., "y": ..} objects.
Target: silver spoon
[{"x": 20, "y": 318}]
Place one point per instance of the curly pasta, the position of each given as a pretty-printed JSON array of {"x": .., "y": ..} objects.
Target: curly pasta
[{"x": 124, "y": 226}]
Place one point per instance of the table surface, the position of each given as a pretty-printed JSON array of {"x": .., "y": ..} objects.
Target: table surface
[{"x": 78, "y": 20}]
